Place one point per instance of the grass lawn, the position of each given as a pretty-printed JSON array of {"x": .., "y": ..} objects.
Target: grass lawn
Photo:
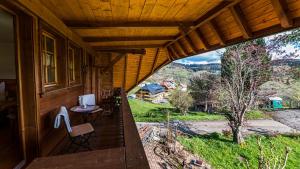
[
  {"x": 221, "y": 153},
  {"x": 150, "y": 112}
]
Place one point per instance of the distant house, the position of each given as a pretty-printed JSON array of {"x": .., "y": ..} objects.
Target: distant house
[
  {"x": 151, "y": 92},
  {"x": 168, "y": 84}
]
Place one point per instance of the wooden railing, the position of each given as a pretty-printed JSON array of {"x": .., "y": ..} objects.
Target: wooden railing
[{"x": 134, "y": 152}]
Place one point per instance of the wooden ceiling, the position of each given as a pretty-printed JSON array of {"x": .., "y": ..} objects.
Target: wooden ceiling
[{"x": 170, "y": 29}]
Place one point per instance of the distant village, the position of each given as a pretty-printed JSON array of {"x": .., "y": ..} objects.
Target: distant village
[{"x": 157, "y": 92}]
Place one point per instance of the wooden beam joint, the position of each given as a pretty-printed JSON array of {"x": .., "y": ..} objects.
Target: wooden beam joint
[{"x": 281, "y": 9}]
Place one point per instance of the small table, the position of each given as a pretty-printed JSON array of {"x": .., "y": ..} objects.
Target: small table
[{"x": 86, "y": 111}]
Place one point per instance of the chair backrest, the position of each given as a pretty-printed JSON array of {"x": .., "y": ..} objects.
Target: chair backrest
[
  {"x": 88, "y": 99},
  {"x": 63, "y": 113}
]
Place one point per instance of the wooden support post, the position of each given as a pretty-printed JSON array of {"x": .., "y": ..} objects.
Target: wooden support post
[
  {"x": 216, "y": 31},
  {"x": 139, "y": 69},
  {"x": 155, "y": 60},
  {"x": 241, "y": 21},
  {"x": 280, "y": 7}
]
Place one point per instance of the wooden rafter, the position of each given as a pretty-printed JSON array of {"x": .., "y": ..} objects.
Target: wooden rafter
[
  {"x": 155, "y": 60},
  {"x": 125, "y": 71},
  {"x": 188, "y": 39},
  {"x": 241, "y": 21},
  {"x": 202, "y": 39},
  {"x": 179, "y": 49},
  {"x": 216, "y": 31},
  {"x": 184, "y": 45},
  {"x": 149, "y": 74},
  {"x": 125, "y": 25},
  {"x": 139, "y": 69},
  {"x": 280, "y": 7},
  {"x": 169, "y": 54},
  {"x": 134, "y": 38},
  {"x": 173, "y": 51},
  {"x": 123, "y": 51}
]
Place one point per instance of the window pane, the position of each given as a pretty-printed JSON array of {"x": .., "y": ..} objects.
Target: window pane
[{"x": 50, "y": 44}]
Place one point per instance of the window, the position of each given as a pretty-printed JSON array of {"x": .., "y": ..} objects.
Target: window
[
  {"x": 74, "y": 64},
  {"x": 71, "y": 60},
  {"x": 49, "y": 58}
]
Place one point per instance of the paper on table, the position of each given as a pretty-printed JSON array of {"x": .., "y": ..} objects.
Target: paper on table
[{"x": 2, "y": 91}]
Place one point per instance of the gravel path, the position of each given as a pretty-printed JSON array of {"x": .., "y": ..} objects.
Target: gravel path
[
  {"x": 290, "y": 118},
  {"x": 252, "y": 126}
]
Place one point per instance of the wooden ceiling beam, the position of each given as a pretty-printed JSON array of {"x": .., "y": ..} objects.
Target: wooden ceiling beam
[
  {"x": 281, "y": 9},
  {"x": 216, "y": 31},
  {"x": 155, "y": 60},
  {"x": 97, "y": 48},
  {"x": 241, "y": 21},
  {"x": 125, "y": 25},
  {"x": 124, "y": 51},
  {"x": 135, "y": 38}
]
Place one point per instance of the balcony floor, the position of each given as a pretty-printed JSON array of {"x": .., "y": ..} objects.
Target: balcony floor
[{"x": 109, "y": 134}]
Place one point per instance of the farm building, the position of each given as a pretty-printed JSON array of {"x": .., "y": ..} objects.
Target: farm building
[{"x": 151, "y": 92}]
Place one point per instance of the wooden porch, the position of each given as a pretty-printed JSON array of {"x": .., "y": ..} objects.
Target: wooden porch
[{"x": 116, "y": 144}]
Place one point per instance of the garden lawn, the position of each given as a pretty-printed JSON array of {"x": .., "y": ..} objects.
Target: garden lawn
[
  {"x": 221, "y": 153},
  {"x": 150, "y": 112}
]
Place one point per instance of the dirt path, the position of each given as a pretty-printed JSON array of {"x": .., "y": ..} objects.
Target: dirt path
[
  {"x": 290, "y": 118},
  {"x": 252, "y": 126}
]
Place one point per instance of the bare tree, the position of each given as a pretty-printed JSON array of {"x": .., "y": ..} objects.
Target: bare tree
[{"x": 244, "y": 68}]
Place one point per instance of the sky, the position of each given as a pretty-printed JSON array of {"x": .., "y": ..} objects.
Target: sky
[{"x": 215, "y": 56}]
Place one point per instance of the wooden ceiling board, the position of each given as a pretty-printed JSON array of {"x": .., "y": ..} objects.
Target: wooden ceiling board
[
  {"x": 124, "y": 43},
  {"x": 118, "y": 73},
  {"x": 228, "y": 26}
]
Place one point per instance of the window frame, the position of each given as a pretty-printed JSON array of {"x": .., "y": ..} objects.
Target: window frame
[
  {"x": 44, "y": 52},
  {"x": 73, "y": 73},
  {"x": 77, "y": 63}
]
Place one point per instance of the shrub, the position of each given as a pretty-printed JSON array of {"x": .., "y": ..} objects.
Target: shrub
[{"x": 181, "y": 100}]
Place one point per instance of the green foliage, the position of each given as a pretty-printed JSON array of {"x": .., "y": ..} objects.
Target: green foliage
[
  {"x": 182, "y": 100},
  {"x": 221, "y": 153},
  {"x": 202, "y": 87}
]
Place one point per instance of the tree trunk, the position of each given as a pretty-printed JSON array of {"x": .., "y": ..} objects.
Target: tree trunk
[
  {"x": 237, "y": 134},
  {"x": 205, "y": 109}
]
